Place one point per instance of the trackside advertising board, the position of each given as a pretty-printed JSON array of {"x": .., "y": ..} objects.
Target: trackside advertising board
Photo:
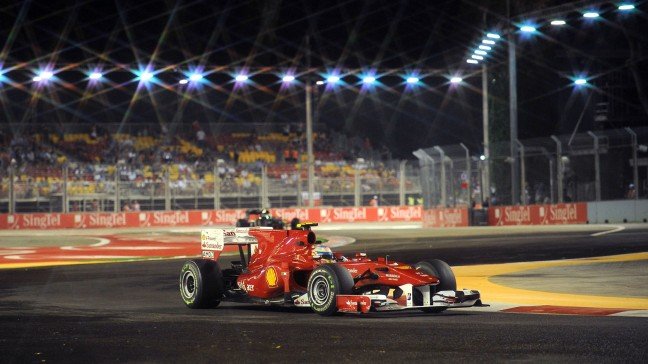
[
  {"x": 99, "y": 220},
  {"x": 570, "y": 213},
  {"x": 556, "y": 214}
]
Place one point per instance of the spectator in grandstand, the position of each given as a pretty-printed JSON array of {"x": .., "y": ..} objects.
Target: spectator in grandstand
[
  {"x": 135, "y": 206},
  {"x": 374, "y": 201},
  {"x": 126, "y": 207}
]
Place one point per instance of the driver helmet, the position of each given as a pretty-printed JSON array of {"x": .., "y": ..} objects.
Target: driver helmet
[
  {"x": 265, "y": 219},
  {"x": 323, "y": 253}
]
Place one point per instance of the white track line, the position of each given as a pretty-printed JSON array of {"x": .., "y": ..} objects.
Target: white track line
[{"x": 615, "y": 230}]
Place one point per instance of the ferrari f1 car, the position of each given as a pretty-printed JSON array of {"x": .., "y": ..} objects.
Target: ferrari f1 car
[{"x": 291, "y": 268}]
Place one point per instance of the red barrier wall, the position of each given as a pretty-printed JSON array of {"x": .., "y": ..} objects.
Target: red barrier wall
[
  {"x": 202, "y": 218},
  {"x": 570, "y": 213},
  {"x": 445, "y": 217},
  {"x": 566, "y": 213}
]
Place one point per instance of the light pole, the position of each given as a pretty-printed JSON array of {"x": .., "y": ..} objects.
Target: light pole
[
  {"x": 513, "y": 107},
  {"x": 486, "y": 171},
  {"x": 309, "y": 144}
]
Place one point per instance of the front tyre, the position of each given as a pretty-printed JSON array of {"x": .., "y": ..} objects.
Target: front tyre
[
  {"x": 325, "y": 283},
  {"x": 447, "y": 280},
  {"x": 201, "y": 283}
]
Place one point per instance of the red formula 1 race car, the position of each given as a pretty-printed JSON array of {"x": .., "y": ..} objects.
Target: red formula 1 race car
[{"x": 291, "y": 268}]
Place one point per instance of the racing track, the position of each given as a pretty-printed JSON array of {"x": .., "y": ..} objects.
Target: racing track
[{"x": 132, "y": 311}]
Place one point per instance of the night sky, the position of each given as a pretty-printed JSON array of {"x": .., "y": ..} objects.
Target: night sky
[{"x": 266, "y": 39}]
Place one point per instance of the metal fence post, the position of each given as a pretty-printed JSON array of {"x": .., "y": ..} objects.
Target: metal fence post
[
  {"x": 522, "y": 174},
  {"x": 265, "y": 201},
  {"x": 64, "y": 199},
  {"x": 468, "y": 172},
  {"x": 401, "y": 184},
  {"x": 217, "y": 183},
  {"x": 635, "y": 166},
  {"x": 116, "y": 182},
  {"x": 12, "y": 190},
  {"x": 444, "y": 192},
  {"x": 559, "y": 167},
  {"x": 167, "y": 190},
  {"x": 357, "y": 201},
  {"x": 597, "y": 170}
]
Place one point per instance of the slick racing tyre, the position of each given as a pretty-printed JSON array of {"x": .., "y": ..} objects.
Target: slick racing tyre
[
  {"x": 201, "y": 283},
  {"x": 447, "y": 280},
  {"x": 326, "y": 282}
]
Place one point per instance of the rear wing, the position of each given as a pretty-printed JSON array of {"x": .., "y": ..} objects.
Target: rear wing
[{"x": 213, "y": 241}]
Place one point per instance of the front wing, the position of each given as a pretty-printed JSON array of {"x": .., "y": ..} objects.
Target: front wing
[{"x": 378, "y": 302}]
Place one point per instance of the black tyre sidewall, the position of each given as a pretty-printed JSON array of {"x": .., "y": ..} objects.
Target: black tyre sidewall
[
  {"x": 447, "y": 280},
  {"x": 441, "y": 270},
  {"x": 339, "y": 281},
  {"x": 208, "y": 283},
  {"x": 193, "y": 300}
]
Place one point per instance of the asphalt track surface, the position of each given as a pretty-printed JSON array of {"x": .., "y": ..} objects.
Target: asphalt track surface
[{"x": 132, "y": 312}]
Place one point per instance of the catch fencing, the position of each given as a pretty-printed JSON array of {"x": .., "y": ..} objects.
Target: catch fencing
[
  {"x": 592, "y": 166},
  {"x": 124, "y": 187}
]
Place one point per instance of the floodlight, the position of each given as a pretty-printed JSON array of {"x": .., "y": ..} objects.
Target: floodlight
[
  {"x": 493, "y": 36},
  {"x": 412, "y": 80},
  {"x": 43, "y": 76},
  {"x": 558, "y": 22},
  {"x": 368, "y": 80},
  {"x": 488, "y": 41},
  {"x": 146, "y": 76},
  {"x": 474, "y": 56},
  {"x": 481, "y": 53},
  {"x": 485, "y": 48},
  {"x": 591, "y": 15},
  {"x": 95, "y": 76},
  {"x": 195, "y": 77},
  {"x": 456, "y": 80},
  {"x": 288, "y": 78},
  {"x": 472, "y": 61},
  {"x": 241, "y": 78},
  {"x": 527, "y": 29},
  {"x": 184, "y": 81},
  {"x": 580, "y": 81},
  {"x": 626, "y": 7},
  {"x": 333, "y": 79}
]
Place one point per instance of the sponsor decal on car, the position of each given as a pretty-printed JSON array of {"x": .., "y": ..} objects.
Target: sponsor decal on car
[{"x": 271, "y": 277}]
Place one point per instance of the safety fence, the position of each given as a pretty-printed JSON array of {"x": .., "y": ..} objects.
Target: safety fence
[
  {"x": 580, "y": 167},
  {"x": 124, "y": 187}
]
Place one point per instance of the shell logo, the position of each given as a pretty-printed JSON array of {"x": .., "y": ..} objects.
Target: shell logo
[{"x": 271, "y": 277}]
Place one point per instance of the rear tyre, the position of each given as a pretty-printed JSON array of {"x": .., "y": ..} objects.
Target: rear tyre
[
  {"x": 325, "y": 283},
  {"x": 201, "y": 283},
  {"x": 447, "y": 280}
]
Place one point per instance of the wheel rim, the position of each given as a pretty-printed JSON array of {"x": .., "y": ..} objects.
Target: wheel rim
[
  {"x": 320, "y": 291},
  {"x": 188, "y": 284}
]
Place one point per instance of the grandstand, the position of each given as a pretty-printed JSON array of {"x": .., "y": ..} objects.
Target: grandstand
[{"x": 104, "y": 167}]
